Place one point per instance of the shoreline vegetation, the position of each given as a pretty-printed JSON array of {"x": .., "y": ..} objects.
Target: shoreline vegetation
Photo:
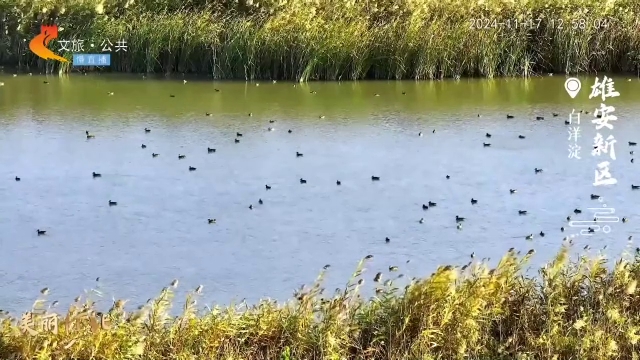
[
  {"x": 304, "y": 40},
  {"x": 579, "y": 308}
]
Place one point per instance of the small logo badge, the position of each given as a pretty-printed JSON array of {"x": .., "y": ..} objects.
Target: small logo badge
[{"x": 38, "y": 44}]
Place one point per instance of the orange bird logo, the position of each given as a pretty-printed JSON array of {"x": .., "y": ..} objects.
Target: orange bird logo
[{"x": 38, "y": 44}]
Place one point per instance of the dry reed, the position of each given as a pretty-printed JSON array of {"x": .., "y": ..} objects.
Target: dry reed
[{"x": 574, "y": 309}]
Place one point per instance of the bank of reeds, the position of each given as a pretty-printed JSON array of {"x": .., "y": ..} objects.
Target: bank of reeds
[
  {"x": 574, "y": 309},
  {"x": 339, "y": 39}
]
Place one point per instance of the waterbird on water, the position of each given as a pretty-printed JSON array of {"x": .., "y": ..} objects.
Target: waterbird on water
[
  {"x": 303, "y": 181},
  {"x": 17, "y": 178},
  {"x": 434, "y": 131},
  {"x": 474, "y": 201},
  {"x": 260, "y": 201},
  {"x": 562, "y": 229},
  {"x": 375, "y": 178},
  {"x": 338, "y": 182},
  {"x": 112, "y": 203},
  {"x": 539, "y": 117},
  {"x": 577, "y": 211},
  {"x": 631, "y": 143},
  {"x": 520, "y": 136},
  {"x": 624, "y": 219},
  {"x": 144, "y": 146},
  {"x": 420, "y": 134},
  {"x": 512, "y": 191},
  {"x": 522, "y": 212},
  {"x": 487, "y": 135},
  {"x": 635, "y": 187},
  {"x": 555, "y": 114},
  {"x": 529, "y": 237},
  {"x": 191, "y": 168},
  {"x": 181, "y": 156},
  {"x": 210, "y": 150},
  {"x": 41, "y": 232},
  {"x": 459, "y": 219},
  {"x": 290, "y": 131},
  {"x": 237, "y": 140},
  {"x": 299, "y": 154},
  {"x": 267, "y": 187},
  {"x": 425, "y": 207},
  {"x": 238, "y": 134},
  {"x": 250, "y": 207},
  {"x": 89, "y": 136},
  {"x": 541, "y": 233},
  {"x": 448, "y": 176},
  {"x": 595, "y": 197},
  {"x": 147, "y": 130},
  {"x": 154, "y": 155},
  {"x": 568, "y": 218},
  {"x": 538, "y": 170},
  {"x": 207, "y": 114},
  {"x": 459, "y": 226},
  {"x": 510, "y": 116},
  {"x": 431, "y": 203},
  {"x": 95, "y": 174},
  {"x": 486, "y": 144},
  {"x": 421, "y": 220},
  {"x": 567, "y": 122},
  {"x": 211, "y": 221}
]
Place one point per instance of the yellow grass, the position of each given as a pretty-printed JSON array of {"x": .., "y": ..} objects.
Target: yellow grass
[{"x": 574, "y": 309}]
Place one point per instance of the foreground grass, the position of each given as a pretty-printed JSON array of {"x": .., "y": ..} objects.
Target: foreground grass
[
  {"x": 338, "y": 39},
  {"x": 574, "y": 309}
]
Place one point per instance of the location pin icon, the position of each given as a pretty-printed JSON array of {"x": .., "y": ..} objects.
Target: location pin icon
[{"x": 572, "y": 85}]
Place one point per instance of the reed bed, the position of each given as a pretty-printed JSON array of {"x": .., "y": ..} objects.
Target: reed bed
[
  {"x": 576, "y": 308},
  {"x": 338, "y": 39}
]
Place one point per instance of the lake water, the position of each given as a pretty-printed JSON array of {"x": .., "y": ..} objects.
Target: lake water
[{"x": 159, "y": 229}]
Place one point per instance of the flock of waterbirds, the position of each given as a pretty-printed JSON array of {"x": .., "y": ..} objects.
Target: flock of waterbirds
[{"x": 459, "y": 220}]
